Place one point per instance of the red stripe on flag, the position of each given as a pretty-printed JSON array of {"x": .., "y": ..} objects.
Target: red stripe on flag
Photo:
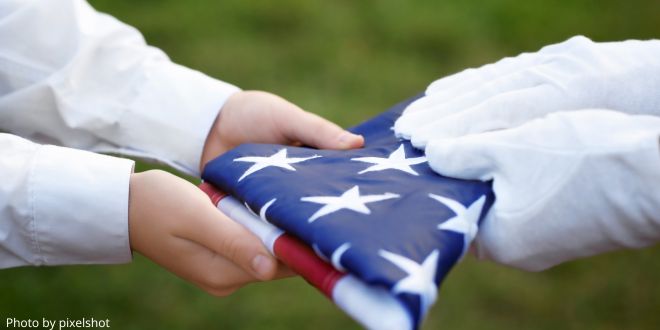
[
  {"x": 302, "y": 260},
  {"x": 295, "y": 254},
  {"x": 214, "y": 194}
]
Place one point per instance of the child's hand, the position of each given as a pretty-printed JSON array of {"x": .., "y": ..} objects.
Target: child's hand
[
  {"x": 174, "y": 224},
  {"x": 260, "y": 117}
]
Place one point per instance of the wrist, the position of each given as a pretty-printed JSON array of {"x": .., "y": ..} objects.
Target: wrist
[
  {"x": 138, "y": 206},
  {"x": 213, "y": 144}
]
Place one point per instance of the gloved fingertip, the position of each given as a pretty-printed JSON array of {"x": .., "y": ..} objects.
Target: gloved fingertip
[
  {"x": 419, "y": 141},
  {"x": 417, "y": 105},
  {"x": 422, "y": 136},
  {"x": 402, "y": 128},
  {"x": 458, "y": 158}
]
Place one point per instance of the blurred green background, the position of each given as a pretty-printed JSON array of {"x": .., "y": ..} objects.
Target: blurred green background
[{"x": 348, "y": 60}]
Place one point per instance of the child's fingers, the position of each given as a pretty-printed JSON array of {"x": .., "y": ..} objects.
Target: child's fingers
[
  {"x": 216, "y": 231},
  {"x": 312, "y": 130},
  {"x": 202, "y": 266}
]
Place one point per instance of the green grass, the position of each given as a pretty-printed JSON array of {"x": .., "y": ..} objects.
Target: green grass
[{"x": 348, "y": 60}]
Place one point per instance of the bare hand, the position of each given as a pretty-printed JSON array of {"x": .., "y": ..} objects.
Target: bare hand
[
  {"x": 260, "y": 117},
  {"x": 174, "y": 224}
]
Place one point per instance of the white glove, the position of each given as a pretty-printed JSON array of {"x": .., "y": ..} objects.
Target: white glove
[
  {"x": 569, "y": 185},
  {"x": 575, "y": 74}
]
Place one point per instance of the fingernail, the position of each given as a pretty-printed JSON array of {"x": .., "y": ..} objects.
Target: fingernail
[
  {"x": 262, "y": 266},
  {"x": 346, "y": 137}
]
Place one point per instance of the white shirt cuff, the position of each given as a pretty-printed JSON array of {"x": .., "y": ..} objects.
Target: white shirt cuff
[{"x": 80, "y": 207}]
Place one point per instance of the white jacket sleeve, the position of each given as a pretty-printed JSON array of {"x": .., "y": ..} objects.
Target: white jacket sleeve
[
  {"x": 61, "y": 206},
  {"x": 75, "y": 77}
]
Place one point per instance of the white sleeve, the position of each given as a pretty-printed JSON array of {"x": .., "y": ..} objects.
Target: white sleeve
[
  {"x": 61, "y": 206},
  {"x": 72, "y": 76}
]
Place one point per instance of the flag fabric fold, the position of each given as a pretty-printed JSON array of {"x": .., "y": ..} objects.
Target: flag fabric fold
[
  {"x": 374, "y": 307},
  {"x": 378, "y": 213}
]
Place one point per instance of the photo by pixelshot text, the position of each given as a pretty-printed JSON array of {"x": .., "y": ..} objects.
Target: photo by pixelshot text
[{"x": 67, "y": 323}]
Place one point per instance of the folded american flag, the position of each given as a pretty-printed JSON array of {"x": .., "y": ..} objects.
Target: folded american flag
[{"x": 390, "y": 227}]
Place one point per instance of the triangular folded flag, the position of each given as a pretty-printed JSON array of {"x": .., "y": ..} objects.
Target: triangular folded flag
[{"x": 379, "y": 215}]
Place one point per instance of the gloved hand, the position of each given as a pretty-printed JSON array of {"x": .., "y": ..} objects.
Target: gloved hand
[
  {"x": 575, "y": 74},
  {"x": 569, "y": 185}
]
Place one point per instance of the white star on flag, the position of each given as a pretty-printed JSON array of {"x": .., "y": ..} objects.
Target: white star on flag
[
  {"x": 465, "y": 221},
  {"x": 350, "y": 199},
  {"x": 336, "y": 256},
  {"x": 279, "y": 159},
  {"x": 396, "y": 161},
  {"x": 420, "y": 279},
  {"x": 264, "y": 209}
]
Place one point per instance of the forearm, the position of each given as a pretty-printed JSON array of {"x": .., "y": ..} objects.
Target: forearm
[
  {"x": 61, "y": 206},
  {"x": 83, "y": 79}
]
